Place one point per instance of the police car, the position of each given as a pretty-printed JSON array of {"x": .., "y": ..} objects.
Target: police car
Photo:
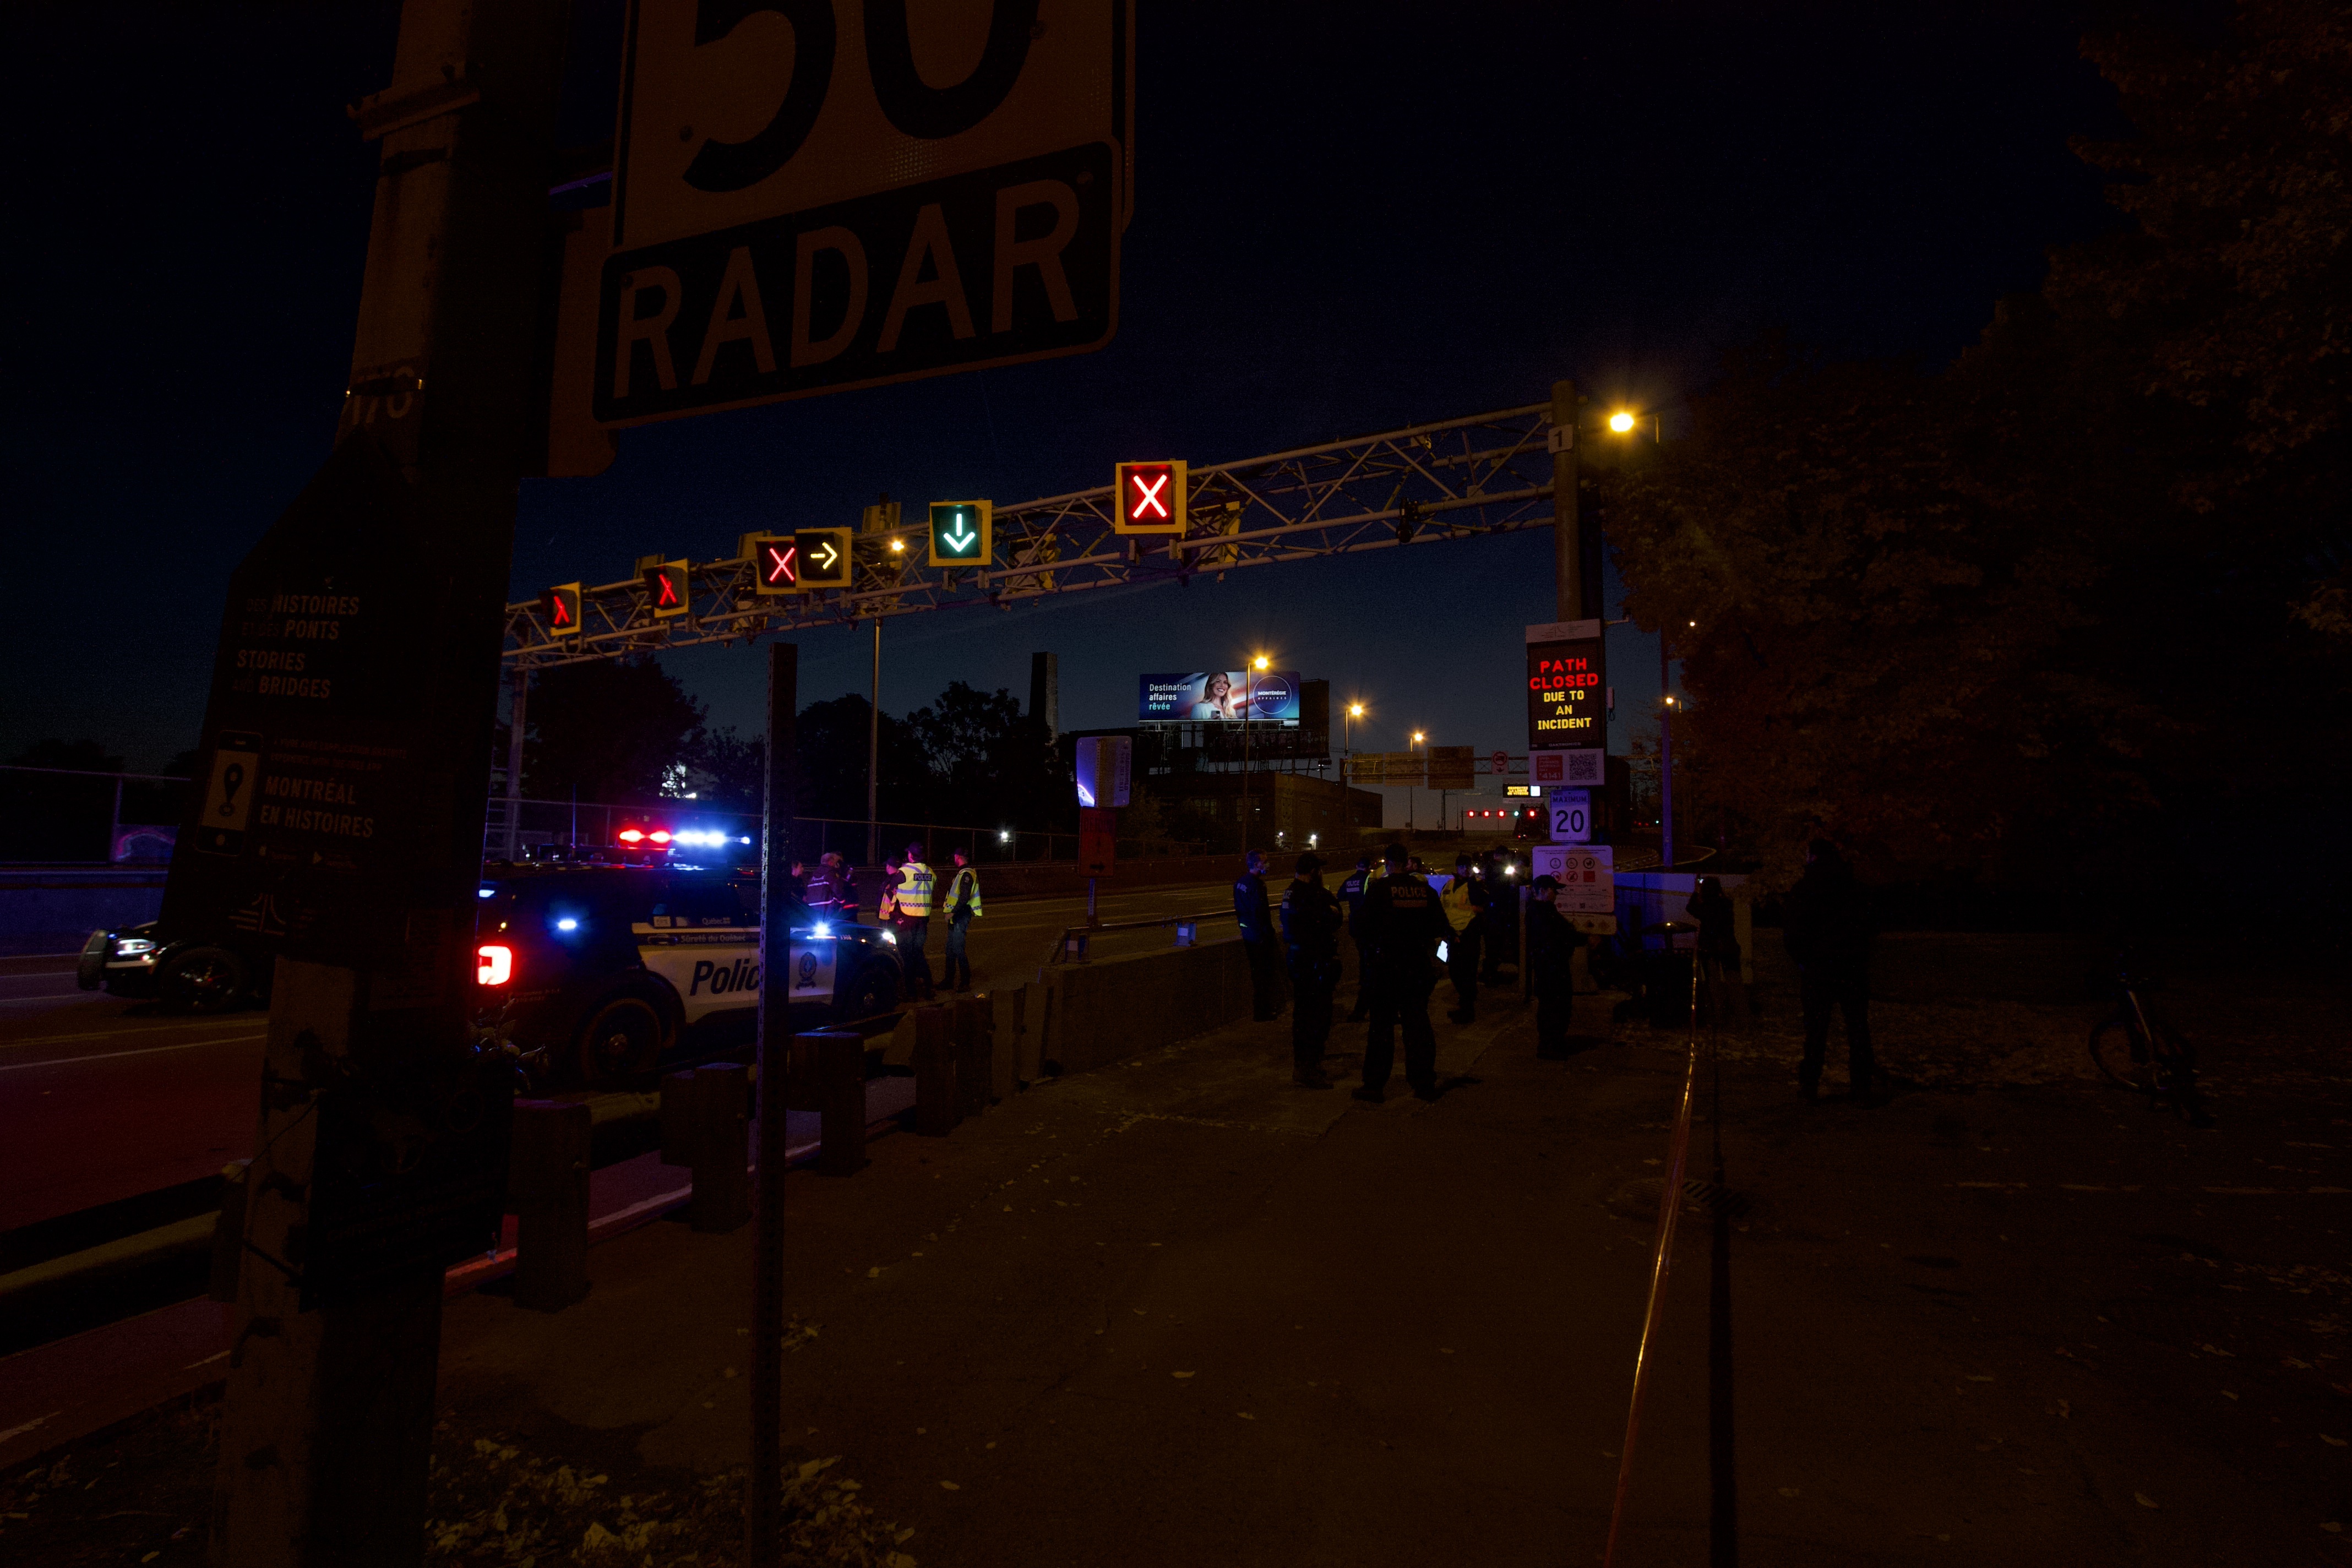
[{"x": 607, "y": 972}]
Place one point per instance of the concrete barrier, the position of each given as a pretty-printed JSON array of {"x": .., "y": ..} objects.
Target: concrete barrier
[{"x": 1095, "y": 1014}]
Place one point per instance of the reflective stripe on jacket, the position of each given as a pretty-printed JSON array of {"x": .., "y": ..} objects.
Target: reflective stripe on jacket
[
  {"x": 914, "y": 891},
  {"x": 964, "y": 889}
]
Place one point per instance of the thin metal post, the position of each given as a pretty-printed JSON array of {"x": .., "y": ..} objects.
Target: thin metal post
[
  {"x": 1567, "y": 534},
  {"x": 1665, "y": 760},
  {"x": 114, "y": 822},
  {"x": 874, "y": 756},
  {"x": 763, "y": 1487},
  {"x": 514, "y": 760}
]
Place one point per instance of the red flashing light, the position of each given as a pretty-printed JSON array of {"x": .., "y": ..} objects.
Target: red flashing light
[
  {"x": 661, "y": 835},
  {"x": 493, "y": 964},
  {"x": 631, "y": 835}
]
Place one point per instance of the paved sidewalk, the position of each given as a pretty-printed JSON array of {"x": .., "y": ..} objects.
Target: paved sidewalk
[{"x": 1179, "y": 1311}]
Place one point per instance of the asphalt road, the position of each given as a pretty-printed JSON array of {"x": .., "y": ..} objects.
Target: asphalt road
[{"x": 103, "y": 1099}]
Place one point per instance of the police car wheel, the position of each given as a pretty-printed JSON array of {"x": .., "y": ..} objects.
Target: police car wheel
[
  {"x": 203, "y": 980},
  {"x": 875, "y": 996},
  {"x": 623, "y": 1037}
]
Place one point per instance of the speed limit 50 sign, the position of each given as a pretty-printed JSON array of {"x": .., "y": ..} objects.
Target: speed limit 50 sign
[{"x": 810, "y": 195}]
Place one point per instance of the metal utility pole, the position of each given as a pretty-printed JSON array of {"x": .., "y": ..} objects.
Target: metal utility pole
[
  {"x": 326, "y": 1428},
  {"x": 514, "y": 760},
  {"x": 763, "y": 1488},
  {"x": 1567, "y": 533},
  {"x": 1665, "y": 760},
  {"x": 874, "y": 757},
  {"x": 1248, "y": 676}
]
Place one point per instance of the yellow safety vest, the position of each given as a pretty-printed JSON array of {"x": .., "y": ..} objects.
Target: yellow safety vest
[
  {"x": 914, "y": 891},
  {"x": 1455, "y": 902},
  {"x": 964, "y": 886}
]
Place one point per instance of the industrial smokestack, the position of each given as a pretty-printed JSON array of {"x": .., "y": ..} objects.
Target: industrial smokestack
[{"x": 1045, "y": 693}]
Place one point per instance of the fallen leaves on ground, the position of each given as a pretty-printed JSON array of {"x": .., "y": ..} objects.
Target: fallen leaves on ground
[{"x": 499, "y": 1502}]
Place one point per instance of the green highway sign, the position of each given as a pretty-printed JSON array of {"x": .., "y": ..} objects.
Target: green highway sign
[{"x": 960, "y": 532}]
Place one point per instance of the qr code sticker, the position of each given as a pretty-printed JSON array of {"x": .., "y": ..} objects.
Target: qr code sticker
[{"x": 1587, "y": 767}]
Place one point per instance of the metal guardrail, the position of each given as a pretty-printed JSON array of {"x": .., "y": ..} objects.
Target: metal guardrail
[{"x": 1059, "y": 953}]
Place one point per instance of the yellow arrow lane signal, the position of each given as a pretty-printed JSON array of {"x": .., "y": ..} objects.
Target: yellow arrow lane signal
[
  {"x": 824, "y": 557},
  {"x": 960, "y": 532}
]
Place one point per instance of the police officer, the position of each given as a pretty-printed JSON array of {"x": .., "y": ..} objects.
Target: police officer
[
  {"x": 1464, "y": 903},
  {"x": 964, "y": 907},
  {"x": 1351, "y": 898},
  {"x": 1310, "y": 936},
  {"x": 1406, "y": 925},
  {"x": 1258, "y": 940},
  {"x": 1552, "y": 941},
  {"x": 913, "y": 895},
  {"x": 829, "y": 894}
]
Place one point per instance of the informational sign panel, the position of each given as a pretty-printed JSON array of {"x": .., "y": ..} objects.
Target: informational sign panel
[
  {"x": 1097, "y": 840},
  {"x": 1567, "y": 686},
  {"x": 808, "y": 197},
  {"x": 1523, "y": 792},
  {"x": 1586, "y": 873},
  {"x": 1453, "y": 767},
  {"x": 1501, "y": 761},
  {"x": 1219, "y": 694},
  {"x": 1150, "y": 497},
  {"x": 1105, "y": 765},
  {"x": 1570, "y": 814},
  {"x": 1389, "y": 768}
]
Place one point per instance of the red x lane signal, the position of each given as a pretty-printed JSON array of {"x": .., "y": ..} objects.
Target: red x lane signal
[
  {"x": 1150, "y": 497},
  {"x": 778, "y": 559},
  {"x": 560, "y": 608},
  {"x": 667, "y": 589}
]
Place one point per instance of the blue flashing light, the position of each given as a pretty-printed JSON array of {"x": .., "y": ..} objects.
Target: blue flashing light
[
  {"x": 485, "y": 892},
  {"x": 822, "y": 930},
  {"x": 567, "y": 924}
]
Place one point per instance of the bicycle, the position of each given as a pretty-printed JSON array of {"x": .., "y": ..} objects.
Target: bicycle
[{"x": 2134, "y": 1048}]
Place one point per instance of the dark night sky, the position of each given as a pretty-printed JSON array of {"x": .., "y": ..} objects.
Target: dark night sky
[{"x": 1426, "y": 213}]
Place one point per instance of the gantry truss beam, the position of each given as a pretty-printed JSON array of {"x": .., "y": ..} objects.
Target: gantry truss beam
[{"x": 1461, "y": 479}]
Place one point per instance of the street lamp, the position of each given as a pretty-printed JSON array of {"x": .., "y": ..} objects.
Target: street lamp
[
  {"x": 1410, "y": 805},
  {"x": 1249, "y": 696},
  {"x": 1347, "y": 729},
  {"x": 1621, "y": 423}
]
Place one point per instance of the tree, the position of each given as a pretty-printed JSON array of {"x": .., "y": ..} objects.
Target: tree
[
  {"x": 84, "y": 756},
  {"x": 611, "y": 729},
  {"x": 2022, "y": 611},
  {"x": 988, "y": 763},
  {"x": 833, "y": 738}
]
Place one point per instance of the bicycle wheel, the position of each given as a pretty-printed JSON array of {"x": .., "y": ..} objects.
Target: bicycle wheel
[{"x": 2121, "y": 1055}]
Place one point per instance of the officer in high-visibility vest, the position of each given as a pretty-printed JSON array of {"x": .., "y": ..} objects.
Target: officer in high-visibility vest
[
  {"x": 964, "y": 907},
  {"x": 1465, "y": 902},
  {"x": 1406, "y": 925},
  {"x": 914, "y": 922}
]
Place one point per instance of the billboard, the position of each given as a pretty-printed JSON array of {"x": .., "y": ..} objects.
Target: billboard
[{"x": 1218, "y": 694}]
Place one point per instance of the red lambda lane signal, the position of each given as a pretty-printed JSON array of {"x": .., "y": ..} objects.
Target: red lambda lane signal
[
  {"x": 1150, "y": 497},
  {"x": 560, "y": 606},
  {"x": 667, "y": 589},
  {"x": 779, "y": 563}
]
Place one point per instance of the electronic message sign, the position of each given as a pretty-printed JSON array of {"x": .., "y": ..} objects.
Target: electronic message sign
[
  {"x": 1150, "y": 497},
  {"x": 960, "y": 532},
  {"x": 1220, "y": 694},
  {"x": 776, "y": 563},
  {"x": 1566, "y": 692}
]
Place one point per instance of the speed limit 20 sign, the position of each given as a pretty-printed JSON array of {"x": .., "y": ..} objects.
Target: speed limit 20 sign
[
  {"x": 810, "y": 195},
  {"x": 1571, "y": 816}
]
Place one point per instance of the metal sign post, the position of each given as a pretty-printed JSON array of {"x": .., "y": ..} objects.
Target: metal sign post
[
  {"x": 340, "y": 834},
  {"x": 763, "y": 1490}
]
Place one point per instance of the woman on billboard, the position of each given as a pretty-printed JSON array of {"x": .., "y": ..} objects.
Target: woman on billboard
[{"x": 1217, "y": 699}]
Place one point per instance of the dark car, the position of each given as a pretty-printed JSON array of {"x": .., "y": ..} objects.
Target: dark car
[
  {"x": 606, "y": 972},
  {"x": 199, "y": 974}
]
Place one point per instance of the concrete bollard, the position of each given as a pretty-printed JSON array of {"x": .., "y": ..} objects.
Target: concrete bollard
[
  {"x": 1009, "y": 1004},
  {"x": 547, "y": 1187},
  {"x": 973, "y": 1042},
  {"x": 939, "y": 1099},
  {"x": 840, "y": 1067},
  {"x": 706, "y": 1125}
]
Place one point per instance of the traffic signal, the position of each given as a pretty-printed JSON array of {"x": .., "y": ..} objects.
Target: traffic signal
[
  {"x": 824, "y": 557},
  {"x": 776, "y": 563},
  {"x": 1150, "y": 497},
  {"x": 560, "y": 609},
  {"x": 960, "y": 530},
  {"x": 668, "y": 591}
]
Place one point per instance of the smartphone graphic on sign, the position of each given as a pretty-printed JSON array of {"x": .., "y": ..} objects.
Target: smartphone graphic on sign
[{"x": 229, "y": 797}]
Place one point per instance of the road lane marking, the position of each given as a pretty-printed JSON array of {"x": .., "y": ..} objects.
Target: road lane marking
[
  {"x": 143, "y": 1051},
  {"x": 116, "y": 1033}
]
